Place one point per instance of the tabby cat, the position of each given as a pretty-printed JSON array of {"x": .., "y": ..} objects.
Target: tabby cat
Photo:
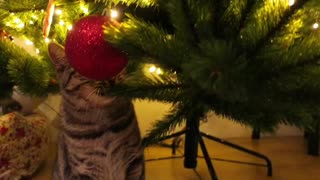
[{"x": 100, "y": 139}]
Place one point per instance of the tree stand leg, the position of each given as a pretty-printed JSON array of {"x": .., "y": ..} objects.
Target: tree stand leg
[
  {"x": 313, "y": 141},
  {"x": 207, "y": 159},
  {"x": 255, "y": 133},
  {"x": 194, "y": 138}
]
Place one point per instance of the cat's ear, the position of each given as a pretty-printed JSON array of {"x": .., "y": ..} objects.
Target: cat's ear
[{"x": 57, "y": 55}]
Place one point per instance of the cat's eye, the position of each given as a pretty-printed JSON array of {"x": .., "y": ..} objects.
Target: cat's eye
[
  {"x": 75, "y": 84},
  {"x": 74, "y": 81}
]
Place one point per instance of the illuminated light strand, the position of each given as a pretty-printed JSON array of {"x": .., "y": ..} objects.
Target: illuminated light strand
[
  {"x": 291, "y": 2},
  {"x": 114, "y": 13},
  {"x": 154, "y": 69},
  {"x": 61, "y": 23},
  {"x": 28, "y": 42},
  {"x": 47, "y": 40},
  {"x": 84, "y": 9},
  {"x": 17, "y": 20},
  {"x": 21, "y": 25},
  {"x": 58, "y": 12},
  {"x": 159, "y": 71},
  {"x": 315, "y": 26},
  {"x": 69, "y": 27}
]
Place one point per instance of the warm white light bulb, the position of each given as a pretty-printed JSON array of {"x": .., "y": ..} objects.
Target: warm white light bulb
[
  {"x": 37, "y": 51},
  {"x": 61, "y": 23},
  {"x": 69, "y": 27},
  {"x": 58, "y": 12},
  {"x": 85, "y": 9},
  {"x": 159, "y": 71},
  {"x": 315, "y": 26},
  {"x": 47, "y": 40},
  {"x": 17, "y": 20},
  {"x": 152, "y": 69},
  {"x": 21, "y": 25},
  {"x": 28, "y": 42},
  {"x": 291, "y": 2},
  {"x": 114, "y": 14}
]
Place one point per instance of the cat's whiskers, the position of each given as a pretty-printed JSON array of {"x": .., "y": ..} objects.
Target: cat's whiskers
[
  {"x": 87, "y": 104},
  {"x": 100, "y": 112}
]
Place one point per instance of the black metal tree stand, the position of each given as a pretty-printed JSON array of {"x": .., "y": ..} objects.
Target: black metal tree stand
[{"x": 194, "y": 137}]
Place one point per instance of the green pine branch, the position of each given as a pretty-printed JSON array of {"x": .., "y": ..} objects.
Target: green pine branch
[
  {"x": 163, "y": 89},
  {"x": 277, "y": 16},
  {"x": 140, "y": 39},
  {"x": 141, "y": 3},
  {"x": 199, "y": 14},
  {"x": 27, "y": 72},
  {"x": 181, "y": 18},
  {"x": 166, "y": 125},
  {"x": 23, "y": 5},
  {"x": 235, "y": 16}
]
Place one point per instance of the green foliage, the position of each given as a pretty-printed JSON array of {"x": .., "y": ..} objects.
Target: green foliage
[
  {"x": 146, "y": 39},
  {"x": 256, "y": 62},
  {"x": 25, "y": 19},
  {"x": 164, "y": 89},
  {"x": 5, "y": 83},
  {"x": 179, "y": 113},
  {"x": 174, "y": 118},
  {"x": 142, "y": 3},
  {"x": 200, "y": 14},
  {"x": 19, "y": 68},
  {"x": 23, "y": 5}
]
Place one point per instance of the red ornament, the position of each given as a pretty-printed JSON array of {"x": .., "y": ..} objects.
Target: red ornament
[{"x": 88, "y": 52}]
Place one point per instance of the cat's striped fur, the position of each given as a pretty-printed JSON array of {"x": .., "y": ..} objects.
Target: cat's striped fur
[{"x": 100, "y": 139}]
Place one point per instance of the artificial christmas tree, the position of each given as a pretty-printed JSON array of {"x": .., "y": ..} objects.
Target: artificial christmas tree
[{"x": 256, "y": 62}]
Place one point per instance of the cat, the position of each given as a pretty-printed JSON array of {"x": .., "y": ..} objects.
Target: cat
[{"x": 100, "y": 137}]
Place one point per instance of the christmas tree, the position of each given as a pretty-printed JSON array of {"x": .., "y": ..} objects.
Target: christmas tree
[{"x": 255, "y": 61}]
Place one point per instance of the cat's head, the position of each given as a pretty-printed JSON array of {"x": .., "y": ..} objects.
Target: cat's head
[{"x": 73, "y": 85}]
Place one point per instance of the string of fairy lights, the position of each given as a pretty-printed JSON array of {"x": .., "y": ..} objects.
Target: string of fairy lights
[
  {"x": 58, "y": 12},
  {"x": 315, "y": 25},
  {"x": 16, "y": 23}
]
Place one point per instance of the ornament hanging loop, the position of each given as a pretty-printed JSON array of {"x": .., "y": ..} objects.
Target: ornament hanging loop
[{"x": 48, "y": 18}]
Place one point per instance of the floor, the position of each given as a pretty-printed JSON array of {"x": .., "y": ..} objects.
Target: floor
[{"x": 288, "y": 155}]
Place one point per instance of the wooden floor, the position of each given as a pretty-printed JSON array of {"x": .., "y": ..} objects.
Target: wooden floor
[{"x": 288, "y": 155}]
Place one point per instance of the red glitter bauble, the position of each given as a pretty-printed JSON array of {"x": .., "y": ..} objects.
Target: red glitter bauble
[{"x": 88, "y": 52}]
